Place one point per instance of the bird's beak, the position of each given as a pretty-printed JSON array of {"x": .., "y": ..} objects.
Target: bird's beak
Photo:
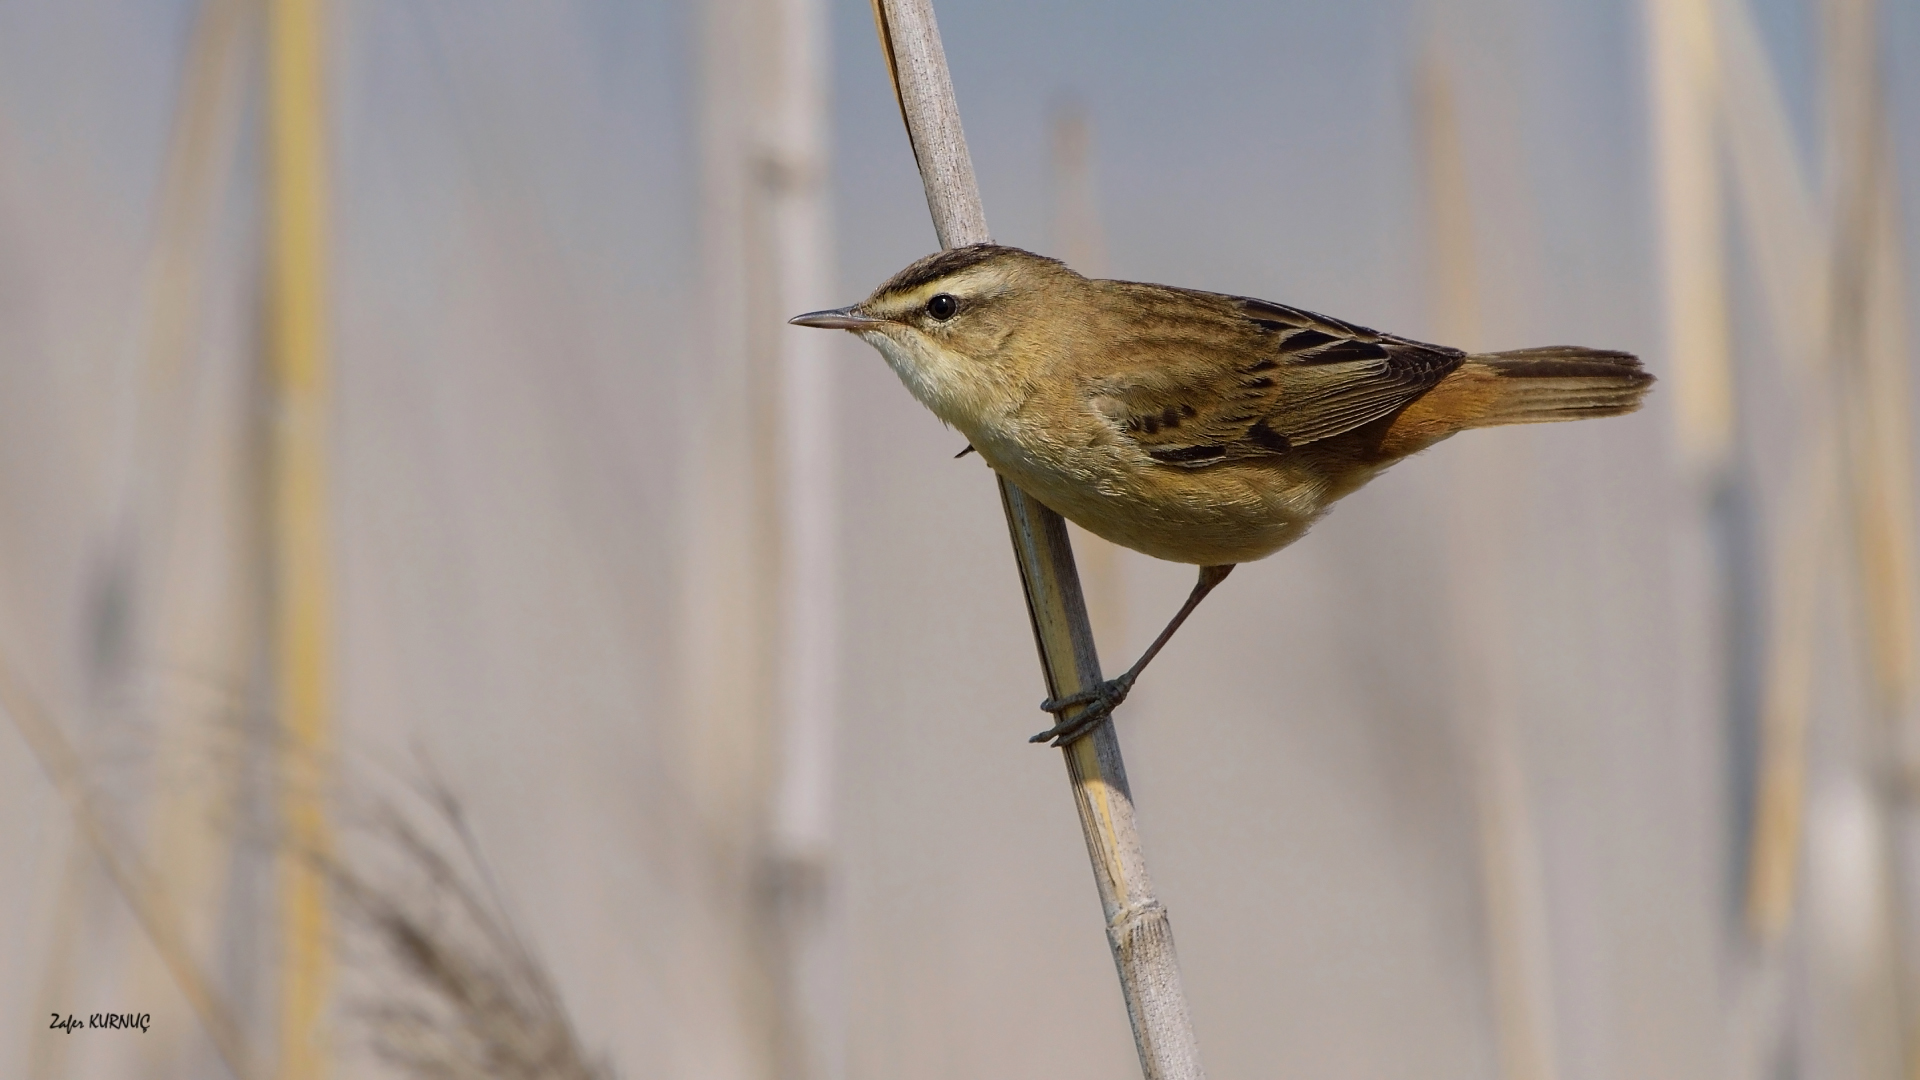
[{"x": 846, "y": 318}]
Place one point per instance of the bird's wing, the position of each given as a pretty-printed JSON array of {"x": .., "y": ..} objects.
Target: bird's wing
[{"x": 1256, "y": 379}]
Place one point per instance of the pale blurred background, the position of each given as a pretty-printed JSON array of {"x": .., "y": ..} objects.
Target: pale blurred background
[{"x": 1577, "y": 752}]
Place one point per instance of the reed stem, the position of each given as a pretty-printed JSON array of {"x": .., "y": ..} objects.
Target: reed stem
[{"x": 1138, "y": 930}]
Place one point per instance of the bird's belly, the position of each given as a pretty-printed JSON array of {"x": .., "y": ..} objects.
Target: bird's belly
[{"x": 1233, "y": 512}]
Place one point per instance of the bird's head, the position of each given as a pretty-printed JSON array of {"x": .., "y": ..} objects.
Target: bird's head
[{"x": 965, "y": 328}]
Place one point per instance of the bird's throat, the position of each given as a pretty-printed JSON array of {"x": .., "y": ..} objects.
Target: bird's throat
[{"x": 952, "y": 386}]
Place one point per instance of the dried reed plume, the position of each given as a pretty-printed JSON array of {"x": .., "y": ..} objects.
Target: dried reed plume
[{"x": 450, "y": 988}]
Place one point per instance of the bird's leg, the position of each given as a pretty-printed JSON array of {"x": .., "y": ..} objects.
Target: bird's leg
[{"x": 1100, "y": 700}]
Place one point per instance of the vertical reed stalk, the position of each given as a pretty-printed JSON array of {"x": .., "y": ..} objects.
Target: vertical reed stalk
[
  {"x": 296, "y": 140},
  {"x": 1479, "y": 521},
  {"x": 1138, "y": 929},
  {"x": 808, "y": 1008},
  {"x": 1775, "y": 202},
  {"x": 1870, "y": 418},
  {"x": 1827, "y": 287}
]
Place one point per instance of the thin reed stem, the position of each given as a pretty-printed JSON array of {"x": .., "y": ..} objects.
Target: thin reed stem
[{"x": 1138, "y": 929}]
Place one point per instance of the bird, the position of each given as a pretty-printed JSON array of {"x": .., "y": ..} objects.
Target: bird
[{"x": 1191, "y": 426}]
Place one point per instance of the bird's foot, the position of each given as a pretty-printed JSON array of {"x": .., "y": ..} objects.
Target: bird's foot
[{"x": 1100, "y": 701}]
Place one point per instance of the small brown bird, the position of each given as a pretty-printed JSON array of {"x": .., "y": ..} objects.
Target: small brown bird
[{"x": 1191, "y": 426}]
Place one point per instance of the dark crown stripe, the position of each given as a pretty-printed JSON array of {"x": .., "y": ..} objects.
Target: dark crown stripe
[{"x": 952, "y": 261}]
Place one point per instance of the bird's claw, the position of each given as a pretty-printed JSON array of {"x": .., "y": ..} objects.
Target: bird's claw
[{"x": 1100, "y": 701}]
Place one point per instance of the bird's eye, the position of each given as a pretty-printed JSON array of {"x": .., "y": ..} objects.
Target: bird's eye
[{"x": 942, "y": 307}]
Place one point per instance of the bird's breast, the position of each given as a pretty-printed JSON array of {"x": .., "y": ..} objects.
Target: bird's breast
[{"x": 1229, "y": 513}]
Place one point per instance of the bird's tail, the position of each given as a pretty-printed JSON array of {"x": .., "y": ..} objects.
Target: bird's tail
[
  {"x": 1537, "y": 386},
  {"x": 1527, "y": 386}
]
